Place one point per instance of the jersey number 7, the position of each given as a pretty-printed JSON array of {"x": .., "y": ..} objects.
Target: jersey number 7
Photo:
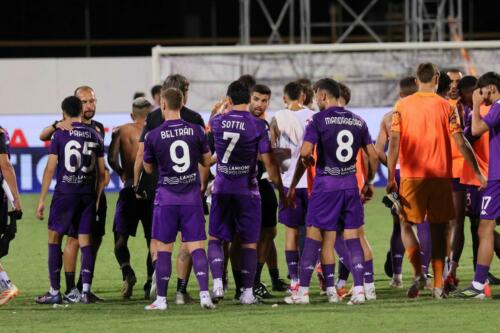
[{"x": 234, "y": 137}]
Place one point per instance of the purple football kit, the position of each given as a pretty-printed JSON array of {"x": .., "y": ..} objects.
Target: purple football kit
[
  {"x": 490, "y": 204},
  {"x": 176, "y": 147},
  {"x": 73, "y": 204},
  {"x": 236, "y": 207},
  {"x": 338, "y": 134}
]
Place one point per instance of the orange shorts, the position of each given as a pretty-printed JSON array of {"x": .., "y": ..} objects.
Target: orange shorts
[{"x": 427, "y": 198}]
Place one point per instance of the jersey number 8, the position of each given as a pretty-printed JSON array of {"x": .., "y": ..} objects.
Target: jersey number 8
[{"x": 344, "y": 146}]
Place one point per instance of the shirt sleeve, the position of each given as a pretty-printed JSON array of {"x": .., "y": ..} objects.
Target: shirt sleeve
[
  {"x": 101, "y": 132},
  {"x": 149, "y": 156},
  {"x": 100, "y": 147},
  {"x": 3, "y": 143},
  {"x": 492, "y": 119},
  {"x": 264, "y": 142},
  {"x": 54, "y": 144},
  {"x": 311, "y": 134},
  {"x": 366, "y": 137},
  {"x": 454, "y": 119},
  {"x": 204, "y": 146}
]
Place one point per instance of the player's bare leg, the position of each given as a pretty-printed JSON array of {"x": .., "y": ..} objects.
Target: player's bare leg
[
  {"x": 7, "y": 289},
  {"x": 484, "y": 258},
  {"x": 122, "y": 255},
  {"x": 184, "y": 266},
  {"x": 412, "y": 249},
  {"x": 457, "y": 240}
]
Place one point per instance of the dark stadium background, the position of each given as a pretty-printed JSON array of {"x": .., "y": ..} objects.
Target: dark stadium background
[{"x": 130, "y": 28}]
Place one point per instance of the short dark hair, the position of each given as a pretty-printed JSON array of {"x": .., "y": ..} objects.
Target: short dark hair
[
  {"x": 467, "y": 82},
  {"x": 453, "y": 70},
  {"x": 72, "y": 106},
  {"x": 444, "y": 84},
  {"x": 155, "y": 90},
  {"x": 489, "y": 78},
  {"x": 329, "y": 85},
  {"x": 261, "y": 89},
  {"x": 248, "y": 80},
  {"x": 306, "y": 89},
  {"x": 176, "y": 81},
  {"x": 345, "y": 92},
  {"x": 138, "y": 94},
  {"x": 426, "y": 72},
  {"x": 408, "y": 85},
  {"x": 173, "y": 97},
  {"x": 238, "y": 92},
  {"x": 293, "y": 90}
]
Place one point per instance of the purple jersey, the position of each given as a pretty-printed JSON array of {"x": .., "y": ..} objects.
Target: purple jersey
[
  {"x": 492, "y": 119},
  {"x": 239, "y": 137},
  {"x": 176, "y": 147},
  {"x": 339, "y": 134},
  {"x": 77, "y": 151}
]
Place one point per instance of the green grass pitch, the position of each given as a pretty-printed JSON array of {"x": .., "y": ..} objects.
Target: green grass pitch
[{"x": 27, "y": 267}]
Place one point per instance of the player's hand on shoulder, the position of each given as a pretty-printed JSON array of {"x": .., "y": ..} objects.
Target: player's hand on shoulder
[
  {"x": 39, "y": 211},
  {"x": 64, "y": 125}
]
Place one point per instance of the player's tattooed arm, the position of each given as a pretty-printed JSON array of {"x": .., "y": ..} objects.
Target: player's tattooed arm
[
  {"x": 114, "y": 152},
  {"x": 478, "y": 125},
  {"x": 103, "y": 178},
  {"x": 274, "y": 133},
  {"x": 50, "y": 169}
]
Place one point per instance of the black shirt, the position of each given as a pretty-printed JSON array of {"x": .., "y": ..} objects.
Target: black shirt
[
  {"x": 155, "y": 119},
  {"x": 98, "y": 127}
]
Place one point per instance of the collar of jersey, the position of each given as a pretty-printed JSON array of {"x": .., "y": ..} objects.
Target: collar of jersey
[{"x": 420, "y": 93}]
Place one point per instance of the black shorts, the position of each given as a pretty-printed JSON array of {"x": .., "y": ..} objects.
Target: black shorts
[
  {"x": 269, "y": 204},
  {"x": 129, "y": 211},
  {"x": 4, "y": 210}
]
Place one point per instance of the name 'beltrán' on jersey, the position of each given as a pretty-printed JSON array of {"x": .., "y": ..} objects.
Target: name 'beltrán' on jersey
[
  {"x": 339, "y": 134},
  {"x": 176, "y": 147},
  {"x": 77, "y": 152},
  {"x": 239, "y": 137}
]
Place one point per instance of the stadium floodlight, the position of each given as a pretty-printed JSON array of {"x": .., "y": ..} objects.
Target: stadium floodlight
[{"x": 370, "y": 69}]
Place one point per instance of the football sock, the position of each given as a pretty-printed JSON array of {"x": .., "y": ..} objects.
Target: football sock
[
  {"x": 258, "y": 273},
  {"x": 437, "y": 268},
  {"x": 357, "y": 260},
  {"x": 397, "y": 249},
  {"x": 216, "y": 258},
  {"x": 368, "y": 271},
  {"x": 237, "y": 278},
  {"x": 55, "y": 264},
  {"x": 274, "y": 273},
  {"x": 87, "y": 266},
  {"x": 308, "y": 260},
  {"x": 328, "y": 274},
  {"x": 182, "y": 285},
  {"x": 413, "y": 254},
  {"x": 343, "y": 271},
  {"x": 480, "y": 276},
  {"x": 424, "y": 240},
  {"x": 126, "y": 270},
  {"x": 150, "y": 268},
  {"x": 70, "y": 281},
  {"x": 248, "y": 267},
  {"x": 200, "y": 267},
  {"x": 163, "y": 272},
  {"x": 292, "y": 261}
]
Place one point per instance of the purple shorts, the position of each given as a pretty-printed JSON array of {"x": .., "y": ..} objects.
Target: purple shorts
[
  {"x": 98, "y": 227},
  {"x": 169, "y": 219},
  {"x": 72, "y": 214},
  {"x": 129, "y": 211},
  {"x": 295, "y": 217},
  {"x": 335, "y": 211},
  {"x": 457, "y": 186},
  {"x": 473, "y": 202},
  {"x": 235, "y": 213},
  {"x": 490, "y": 203}
]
